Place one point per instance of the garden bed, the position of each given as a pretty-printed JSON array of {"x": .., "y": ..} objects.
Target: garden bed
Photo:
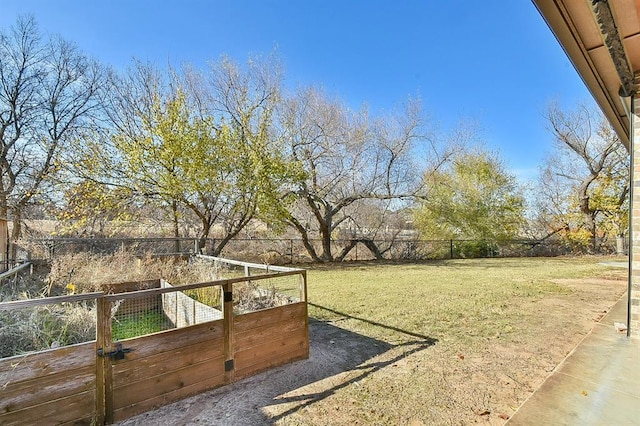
[{"x": 136, "y": 364}]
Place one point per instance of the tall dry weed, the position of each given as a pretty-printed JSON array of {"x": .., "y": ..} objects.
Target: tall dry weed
[
  {"x": 45, "y": 327},
  {"x": 87, "y": 272}
]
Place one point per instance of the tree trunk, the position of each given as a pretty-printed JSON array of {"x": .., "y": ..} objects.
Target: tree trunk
[
  {"x": 588, "y": 213},
  {"x": 206, "y": 229},
  {"x": 591, "y": 226},
  {"x": 620, "y": 245},
  {"x": 373, "y": 248},
  {"x": 310, "y": 248},
  {"x": 176, "y": 227},
  {"x": 345, "y": 251},
  {"x": 305, "y": 239},
  {"x": 325, "y": 237},
  {"x": 15, "y": 235}
]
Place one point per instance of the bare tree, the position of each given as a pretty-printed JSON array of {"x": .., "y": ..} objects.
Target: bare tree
[
  {"x": 348, "y": 158},
  {"x": 584, "y": 185},
  {"x": 49, "y": 93}
]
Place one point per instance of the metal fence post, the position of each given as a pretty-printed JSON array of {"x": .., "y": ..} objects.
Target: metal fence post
[{"x": 291, "y": 250}]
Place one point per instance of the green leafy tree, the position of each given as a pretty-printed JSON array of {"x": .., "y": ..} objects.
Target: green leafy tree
[
  {"x": 161, "y": 158},
  {"x": 198, "y": 147},
  {"x": 90, "y": 208},
  {"x": 243, "y": 100},
  {"x": 471, "y": 197}
]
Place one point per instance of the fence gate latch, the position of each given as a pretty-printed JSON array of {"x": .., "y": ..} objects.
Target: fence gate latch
[{"x": 116, "y": 354}]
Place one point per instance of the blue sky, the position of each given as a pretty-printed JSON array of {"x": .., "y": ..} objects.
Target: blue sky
[{"x": 495, "y": 63}]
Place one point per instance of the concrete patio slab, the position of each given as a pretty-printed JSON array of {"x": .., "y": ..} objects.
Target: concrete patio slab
[{"x": 597, "y": 384}]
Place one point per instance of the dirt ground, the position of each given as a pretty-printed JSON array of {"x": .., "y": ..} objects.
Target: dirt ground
[{"x": 353, "y": 379}]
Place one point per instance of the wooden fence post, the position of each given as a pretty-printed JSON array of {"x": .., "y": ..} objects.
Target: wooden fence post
[
  {"x": 303, "y": 297},
  {"x": 104, "y": 379},
  {"x": 229, "y": 340},
  {"x": 303, "y": 286}
]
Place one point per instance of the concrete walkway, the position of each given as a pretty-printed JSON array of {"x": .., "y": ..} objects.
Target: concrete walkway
[{"x": 597, "y": 384}]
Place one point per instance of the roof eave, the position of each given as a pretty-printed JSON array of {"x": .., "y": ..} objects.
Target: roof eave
[{"x": 560, "y": 24}]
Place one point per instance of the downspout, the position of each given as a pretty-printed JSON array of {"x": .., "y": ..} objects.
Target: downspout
[
  {"x": 630, "y": 104},
  {"x": 627, "y": 97}
]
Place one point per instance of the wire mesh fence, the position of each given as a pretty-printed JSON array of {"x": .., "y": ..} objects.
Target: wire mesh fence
[
  {"x": 253, "y": 287},
  {"x": 165, "y": 307},
  {"x": 46, "y": 323},
  {"x": 264, "y": 286}
]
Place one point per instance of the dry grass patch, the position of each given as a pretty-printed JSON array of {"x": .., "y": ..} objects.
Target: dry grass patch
[{"x": 88, "y": 272}]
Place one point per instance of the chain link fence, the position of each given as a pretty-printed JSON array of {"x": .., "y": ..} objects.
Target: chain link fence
[{"x": 292, "y": 251}]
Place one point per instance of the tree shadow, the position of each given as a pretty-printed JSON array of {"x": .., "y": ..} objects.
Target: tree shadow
[
  {"x": 423, "y": 338},
  {"x": 338, "y": 358}
]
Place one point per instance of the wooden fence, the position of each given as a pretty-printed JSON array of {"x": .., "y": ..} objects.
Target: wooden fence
[{"x": 105, "y": 380}]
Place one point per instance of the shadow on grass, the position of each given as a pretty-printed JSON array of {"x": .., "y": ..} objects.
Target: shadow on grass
[
  {"x": 360, "y": 354},
  {"x": 338, "y": 358},
  {"x": 426, "y": 339}
]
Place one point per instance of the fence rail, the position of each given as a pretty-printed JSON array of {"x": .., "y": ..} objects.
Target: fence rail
[{"x": 15, "y": 270}]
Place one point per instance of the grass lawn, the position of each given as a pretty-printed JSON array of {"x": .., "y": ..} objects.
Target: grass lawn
[
  {"x": 462, "y": 298},
  {"x": 469, "y": 339}
]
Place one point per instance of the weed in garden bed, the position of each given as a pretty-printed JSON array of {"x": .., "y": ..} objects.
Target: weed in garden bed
[
  {"x": 90, "y": 272},
  {"x": 209, "y": 296},
  {"x": 44, "y": 327},
  {"x": 135, "y": 325}
]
